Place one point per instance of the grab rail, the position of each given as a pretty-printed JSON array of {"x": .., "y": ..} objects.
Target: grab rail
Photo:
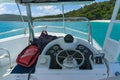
[
  {"x": 46, "y": 27},
  {"x": 84, "y": 19},
  {"x": 66, "y": 29},
  {"x": 81, "y": 32},
  {"x": 4, "y": 55},
  {"x": 15, "y": 30}
]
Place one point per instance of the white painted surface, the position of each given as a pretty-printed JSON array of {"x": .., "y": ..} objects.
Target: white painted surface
[
  {"x": 112, "y": 50},
  {"x": 99, "y": 71},
  {"x": 14, "y": 45}
]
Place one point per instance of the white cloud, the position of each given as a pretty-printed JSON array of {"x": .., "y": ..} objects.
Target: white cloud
[
  {"x": 24, "y": 13},
  {"x": 46, "y": 7},
  {"x": 68, "y": 10},
  {"x": 2, "y": 9},
  {"x": 48, "y": 10},
  {"x": 5, "y": 8},
  {"x": 11, "y": 8},
  {"x": 82, "y": 5},
  {"x": 18, "y": 13}
]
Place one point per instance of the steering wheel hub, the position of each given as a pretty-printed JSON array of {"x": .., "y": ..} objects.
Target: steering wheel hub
[{"x": 70, "y": 58}]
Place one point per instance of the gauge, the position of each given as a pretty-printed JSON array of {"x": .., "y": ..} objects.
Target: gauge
[
  {"x": 55, "y": 47},
  {"x": 52, "y": 51},
  {"x": 81, "y": 47},
  {"x": 58, "y": 51},
  {"x": 85, "y": 51}
]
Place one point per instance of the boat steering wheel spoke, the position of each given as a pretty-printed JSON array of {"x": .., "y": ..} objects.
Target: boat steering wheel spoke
[
  {"x": 64, "y": 59},
  {"x": 61, "y": 56}
]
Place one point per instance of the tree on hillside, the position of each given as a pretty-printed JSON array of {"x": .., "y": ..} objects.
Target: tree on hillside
[{"x": 101, "y": 10}]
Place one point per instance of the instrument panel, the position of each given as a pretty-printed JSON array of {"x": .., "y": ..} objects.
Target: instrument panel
[
  {"x": 53, "y": 52},
  {"x": 55, "y": 49},
  {"x": 87, "y": 53}
]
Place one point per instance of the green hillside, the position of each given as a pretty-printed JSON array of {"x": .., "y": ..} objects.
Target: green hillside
[
  {"x": 11, "y": 17},
  {"x": 102, "y": 10},
  {"x": 95, "y": 11}
]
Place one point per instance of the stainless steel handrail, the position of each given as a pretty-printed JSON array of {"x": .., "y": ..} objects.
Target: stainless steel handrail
[
  {"x": 8, "y": 55},
  {"x": 70, "y": 29},
  {"x": 15, "y": 30},
  {"x": 80, "y": 32},
  {"x": 89, "y": 33},
  {"x": 84, "y": 19}
]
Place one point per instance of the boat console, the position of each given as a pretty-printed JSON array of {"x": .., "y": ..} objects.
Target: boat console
[{"x": 69, "y": 53}]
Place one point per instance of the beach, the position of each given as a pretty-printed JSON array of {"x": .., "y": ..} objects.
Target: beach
[{"x": 99, "y": 20}]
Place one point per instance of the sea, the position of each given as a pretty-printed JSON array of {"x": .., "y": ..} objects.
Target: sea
[{"x": 99, "y": 29}]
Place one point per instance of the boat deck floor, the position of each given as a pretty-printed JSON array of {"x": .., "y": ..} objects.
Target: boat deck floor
[{"x": 4, "y": 72}]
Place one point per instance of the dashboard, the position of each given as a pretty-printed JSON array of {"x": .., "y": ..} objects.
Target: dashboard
[
  {"x": 56, "y": 49},
  {"x": 53, "y": 51},
  {"x": 70, "y": 52}
]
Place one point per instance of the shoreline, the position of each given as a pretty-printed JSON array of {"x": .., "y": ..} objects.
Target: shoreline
[{"x": 99, "y": 20}]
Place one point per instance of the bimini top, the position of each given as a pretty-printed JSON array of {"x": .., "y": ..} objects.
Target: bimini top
[
  {"x": 48, "y": 1},
  {"x": 56, "y": 1}
]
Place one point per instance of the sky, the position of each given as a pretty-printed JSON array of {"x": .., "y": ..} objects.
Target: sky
[{"x": 11, "y": 8}]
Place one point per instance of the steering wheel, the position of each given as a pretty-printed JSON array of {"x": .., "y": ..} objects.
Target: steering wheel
[{"x": 70, "y": 58}]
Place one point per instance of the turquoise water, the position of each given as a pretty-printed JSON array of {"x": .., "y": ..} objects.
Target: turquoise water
[{"x": 99, "y": 29}]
